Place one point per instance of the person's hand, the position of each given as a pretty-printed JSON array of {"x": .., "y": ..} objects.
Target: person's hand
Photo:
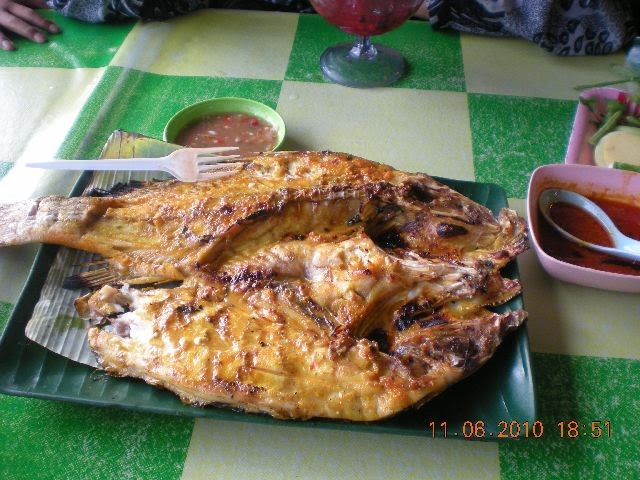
[
  {"x": 423, "y": 11},
  {"x": 18, "y": 16}
]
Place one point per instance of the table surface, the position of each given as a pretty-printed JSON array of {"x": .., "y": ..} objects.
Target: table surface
[{"x": 471, "y": 108}]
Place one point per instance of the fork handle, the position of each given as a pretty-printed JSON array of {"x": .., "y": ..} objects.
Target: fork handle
[{"x": 107, "y": 164}]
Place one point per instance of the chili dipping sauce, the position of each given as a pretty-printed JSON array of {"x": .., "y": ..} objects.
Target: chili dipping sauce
[
  {"x": 582, "y": 225},
  {"x": 250, "y": 134}
]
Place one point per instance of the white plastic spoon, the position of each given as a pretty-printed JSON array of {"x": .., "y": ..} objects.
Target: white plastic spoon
[{"x": 623, "y": 246}]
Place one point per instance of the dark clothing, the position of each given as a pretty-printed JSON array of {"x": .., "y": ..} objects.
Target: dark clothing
[
  {"x": 564, "y": 27},
  {"x": 159, "y": 9},
  {"x": 97, "y": 11}
]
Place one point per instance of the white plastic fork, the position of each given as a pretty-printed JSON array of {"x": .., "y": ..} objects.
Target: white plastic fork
[{"x": 185, "y": 164}]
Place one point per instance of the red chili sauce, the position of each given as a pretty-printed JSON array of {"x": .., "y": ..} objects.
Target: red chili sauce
[
  {"x": 250, "y": 134},
  {"x": 582, "y": 225}
]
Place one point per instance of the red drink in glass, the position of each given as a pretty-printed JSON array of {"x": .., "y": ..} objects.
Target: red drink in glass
[
  {"x": 364, "y": 64},
  {"x": 366, "y": 17}
]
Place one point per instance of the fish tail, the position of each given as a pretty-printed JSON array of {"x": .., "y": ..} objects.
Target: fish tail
[
  {"x": 53, "y": 219},
  {"x": 16, "y": 222}
]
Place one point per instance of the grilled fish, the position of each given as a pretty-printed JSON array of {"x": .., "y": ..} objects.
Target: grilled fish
[{"x": 308, "y": 284}]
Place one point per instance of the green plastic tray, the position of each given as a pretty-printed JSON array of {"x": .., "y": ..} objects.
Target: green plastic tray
[{"x": 500, "y": 392}]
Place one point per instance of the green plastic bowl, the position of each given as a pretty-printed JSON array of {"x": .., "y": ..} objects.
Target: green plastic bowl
[{"x": 222, "y": 105}]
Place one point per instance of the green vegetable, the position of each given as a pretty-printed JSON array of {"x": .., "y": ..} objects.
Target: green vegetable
[
  {"x": 590, "y": 103},
  {"x": 608, "y": 126},
  {"x": 633, "y": 121},
  {"x": 612, "y": 113},
  {"x": 625, "y": 73},
  {"x": 626, "y": 166}
]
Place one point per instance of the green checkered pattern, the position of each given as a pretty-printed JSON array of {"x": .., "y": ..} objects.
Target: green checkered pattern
[{"x": 471, "y": 108}]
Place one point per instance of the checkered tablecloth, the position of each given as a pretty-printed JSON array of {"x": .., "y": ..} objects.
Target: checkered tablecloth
[{"x": 471, "y": 108}]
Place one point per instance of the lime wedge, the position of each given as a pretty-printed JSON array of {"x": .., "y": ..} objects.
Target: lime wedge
[
  {"x": 628, "y": 129},
  {"x": 617, "y": 147}
]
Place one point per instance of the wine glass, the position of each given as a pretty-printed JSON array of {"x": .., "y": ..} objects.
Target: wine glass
[{"x": 364, "y": 64}]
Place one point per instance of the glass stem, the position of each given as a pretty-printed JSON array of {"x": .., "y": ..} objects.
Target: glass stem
[{"x": 363, "y": 48}]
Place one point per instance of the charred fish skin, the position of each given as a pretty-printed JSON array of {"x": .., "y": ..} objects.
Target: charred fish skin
[
  {"x": 313, "y": 284},
  {"x": 185, "y": 225},
  {"x": 260, "y": 351}
]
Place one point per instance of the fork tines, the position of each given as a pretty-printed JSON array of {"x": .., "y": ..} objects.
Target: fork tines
[
  {"x": 218, "y": 170},
  {"x": 202, "y": 159}
]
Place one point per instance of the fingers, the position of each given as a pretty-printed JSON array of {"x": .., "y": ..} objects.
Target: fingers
[
  {"x": 423, "y": 11},
  {"x": 32, "y": 17},
  {"x": 14, "y": 24},
  {"x": 6, "y": 44},
  {"x": 25, "y": 22}
]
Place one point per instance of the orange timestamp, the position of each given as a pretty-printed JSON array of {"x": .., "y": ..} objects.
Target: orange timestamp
[{"x": 479, "y": 429}]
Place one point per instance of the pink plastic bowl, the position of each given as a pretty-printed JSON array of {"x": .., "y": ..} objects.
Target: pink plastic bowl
[{"x": 583, "y": 179}]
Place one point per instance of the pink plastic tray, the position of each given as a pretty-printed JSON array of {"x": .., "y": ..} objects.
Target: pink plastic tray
[{"x": 579, "y": 151}]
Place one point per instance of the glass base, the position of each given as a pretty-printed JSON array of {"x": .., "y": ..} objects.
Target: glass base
[{"x": 347, "y": 64}]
